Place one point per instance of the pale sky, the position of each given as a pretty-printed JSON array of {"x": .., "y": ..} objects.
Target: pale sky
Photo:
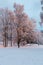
[{"x": 32, "y": 7}]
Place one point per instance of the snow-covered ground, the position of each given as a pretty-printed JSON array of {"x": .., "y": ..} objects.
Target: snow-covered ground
[
  {"x": 21, "y": 56},
  {"x": 32, "y": 46},
  {"x": 31, "y": 54},
  {"x": 25, "y": 46}
]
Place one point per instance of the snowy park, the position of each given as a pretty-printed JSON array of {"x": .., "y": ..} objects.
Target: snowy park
[{"x": 21, "y": 32}]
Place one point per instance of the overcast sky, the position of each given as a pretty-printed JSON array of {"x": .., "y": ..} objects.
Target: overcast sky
[{"x": 32, "y": 7}]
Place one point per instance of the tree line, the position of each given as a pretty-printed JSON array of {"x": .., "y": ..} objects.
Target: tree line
[{"x": 17, "y": 26}]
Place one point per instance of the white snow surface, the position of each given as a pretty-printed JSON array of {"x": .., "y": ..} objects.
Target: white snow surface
[{"x": 21, "y": 56}]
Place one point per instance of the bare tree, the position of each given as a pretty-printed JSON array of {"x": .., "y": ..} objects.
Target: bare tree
[
  {"x": 3, "y": 17},
  {"x": 20, "y": 17},
  {"x": 11, "y": 25},
  {"x": 25, "y": 27},
  {"x": 7, "y": 18}
]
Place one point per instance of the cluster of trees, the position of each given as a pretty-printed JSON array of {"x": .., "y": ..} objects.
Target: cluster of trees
[{"x": 17, "y": 26}]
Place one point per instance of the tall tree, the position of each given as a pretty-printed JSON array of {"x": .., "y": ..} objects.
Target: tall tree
[
  {"x": 3, "y": 17},
  {"x": 25, "y": 27},
  {"x": 20, "y": 18},
  {"x": 7, "y": 18}
]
